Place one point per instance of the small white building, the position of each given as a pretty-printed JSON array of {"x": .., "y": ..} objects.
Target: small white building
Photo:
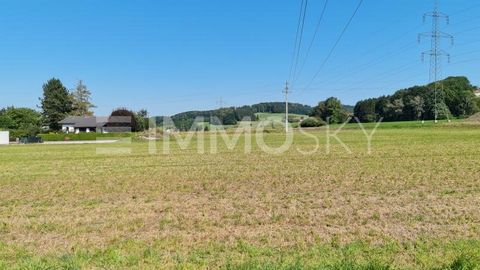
[
  {"x": 4, "y": 137},
  {"x": 78, "y": 124}
]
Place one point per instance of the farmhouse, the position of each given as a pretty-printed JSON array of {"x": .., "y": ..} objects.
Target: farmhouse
[{"x": 78, "y": 124}]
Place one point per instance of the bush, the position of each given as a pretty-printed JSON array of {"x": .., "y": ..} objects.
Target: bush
[
  {"x": 312, "y": 122},
  {"x": 12, "y": 118},
  {"x": 14, "y": 134},
  {"x": 59, "y": 137}
]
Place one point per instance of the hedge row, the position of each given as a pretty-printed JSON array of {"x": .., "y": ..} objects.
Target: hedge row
[
  {"x": 51, "y": 137},
  {"x": 14, "y": 134},
  {"x": 312, "y": 122}
]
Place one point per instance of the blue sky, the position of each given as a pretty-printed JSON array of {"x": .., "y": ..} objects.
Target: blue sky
[{"x": 170, "y": 56}]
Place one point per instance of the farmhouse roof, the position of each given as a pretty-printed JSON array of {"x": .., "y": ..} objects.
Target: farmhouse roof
[{"x": 84, "y": 122}]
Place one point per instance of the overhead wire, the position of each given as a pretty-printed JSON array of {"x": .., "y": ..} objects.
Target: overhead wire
[
  {"x": 312, "y": 41},
  {"x": 375, "y": 62},
  {"x": 298, "y": 39},
  {"x": 332, "y": 50}
]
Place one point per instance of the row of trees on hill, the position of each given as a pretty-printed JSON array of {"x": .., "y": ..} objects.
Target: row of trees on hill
[
  {"x": 454, "y": 98},
  {"x": 330, "y": 110},
  {"x": 231, "y": 115},
  {"x": 279, "y": 107},
  {"x": 225, "y": 116}
]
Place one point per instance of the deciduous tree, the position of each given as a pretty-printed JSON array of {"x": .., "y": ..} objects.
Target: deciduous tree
[{"x": 330, "y": 110}]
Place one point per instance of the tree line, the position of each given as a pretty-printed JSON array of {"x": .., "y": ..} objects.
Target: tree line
[
  {"x": 455, "y": 98},
  {"x": 232, "y": 115},
  {"x": 279, "y": 107}
]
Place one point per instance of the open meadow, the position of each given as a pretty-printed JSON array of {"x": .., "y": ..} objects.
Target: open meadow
[{"x": 412, "y": 203}]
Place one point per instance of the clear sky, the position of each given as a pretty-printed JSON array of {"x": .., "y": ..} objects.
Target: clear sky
[{"x": 170, "y": 56}]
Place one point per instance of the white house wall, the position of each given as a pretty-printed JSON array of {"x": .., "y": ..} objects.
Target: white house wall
[
  {"x": 68, "y": 128},
  {"x": 4, "y": 137}
]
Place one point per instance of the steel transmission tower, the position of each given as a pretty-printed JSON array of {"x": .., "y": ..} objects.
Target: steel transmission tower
[{"x": 436, "y": 53}]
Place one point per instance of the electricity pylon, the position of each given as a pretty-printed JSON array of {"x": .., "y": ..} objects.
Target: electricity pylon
[{"x": 436, "y": 53}]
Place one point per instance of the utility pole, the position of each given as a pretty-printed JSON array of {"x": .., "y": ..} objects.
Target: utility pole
[
  {"x": 436, "y": 53},
  {"x": 286, "y": 106}
]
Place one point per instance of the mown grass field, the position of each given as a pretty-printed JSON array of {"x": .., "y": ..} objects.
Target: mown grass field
[
  {"x": 277, "y": 116},
  {"x": 413, "y": 203}
]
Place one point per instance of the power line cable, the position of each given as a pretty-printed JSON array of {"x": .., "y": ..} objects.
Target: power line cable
[
  {"x": 466, "y": 43},
  {"x": 465, "y": 9},
  {"x": 465, "y": 61},
  {"x": 467, "y": 30},
  {"x": 403, "y": 68},
  {"x": 386, "y": 84},
  {"x": 298, "y": 38},
  {"x": 466, "y": 53},
  {"x": 332, "y": 50},
  {"x": 375, "y": 49},
  {"x": 375, "y": 77},
  {"x": 374, "y": 62},
  {"x": 317, "y": 28}
]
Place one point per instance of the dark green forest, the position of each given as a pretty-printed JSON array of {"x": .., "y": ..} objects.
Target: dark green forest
[{"x": 455, "y": 98}]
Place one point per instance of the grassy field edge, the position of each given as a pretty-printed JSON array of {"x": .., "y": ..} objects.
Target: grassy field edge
[{"x": 438, "y": 254}]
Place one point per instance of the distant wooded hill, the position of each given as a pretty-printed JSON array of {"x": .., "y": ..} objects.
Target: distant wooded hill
[
  {"x": 231, "y": 115},
  {"x": 454, "y": 98}
]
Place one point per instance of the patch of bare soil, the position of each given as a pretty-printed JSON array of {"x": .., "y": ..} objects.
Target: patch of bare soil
[{"x": 474, "y": 118}]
